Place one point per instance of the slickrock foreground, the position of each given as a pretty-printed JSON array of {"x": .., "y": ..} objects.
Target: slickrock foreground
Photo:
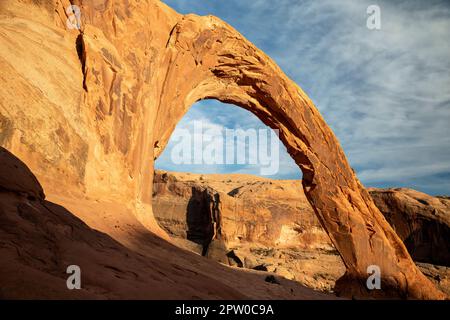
[
  {"x": 263, "y": 224},
  {"x": 39, "y": 239},
  {"x": 89, "y": 110}
]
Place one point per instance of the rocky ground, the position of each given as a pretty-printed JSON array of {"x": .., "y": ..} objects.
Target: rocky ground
[
  {"x": 255, "y": 223},
  {"x": 119, "y": 258}
]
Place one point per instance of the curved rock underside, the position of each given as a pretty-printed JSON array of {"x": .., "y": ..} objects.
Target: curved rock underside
[{"x": 89, "y": 110}]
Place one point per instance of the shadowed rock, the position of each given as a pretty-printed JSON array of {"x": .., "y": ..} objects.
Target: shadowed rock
[{"x": 40, "y": 239}]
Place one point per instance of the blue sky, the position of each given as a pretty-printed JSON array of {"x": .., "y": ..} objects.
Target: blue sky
[{"x": 385, "y": 93}]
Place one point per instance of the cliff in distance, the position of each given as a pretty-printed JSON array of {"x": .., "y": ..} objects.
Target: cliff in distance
[{"x": 257, "y": 223}]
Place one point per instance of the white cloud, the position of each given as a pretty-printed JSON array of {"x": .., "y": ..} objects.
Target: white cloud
[{"x": 386, "y": 93}]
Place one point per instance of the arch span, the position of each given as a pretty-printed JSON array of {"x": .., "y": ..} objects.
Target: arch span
[{"x": 208, "y": 59}]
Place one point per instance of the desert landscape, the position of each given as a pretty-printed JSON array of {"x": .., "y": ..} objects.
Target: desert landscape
[{"x": 86, "y": 111}]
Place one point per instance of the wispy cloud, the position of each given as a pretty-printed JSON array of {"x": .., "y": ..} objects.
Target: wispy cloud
[
  {"x": 214, "y": 118},
  {"x": 385, "y": 93}
]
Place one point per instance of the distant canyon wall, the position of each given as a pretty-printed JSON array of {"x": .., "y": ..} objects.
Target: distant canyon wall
[{"x": 273, "y": 213}]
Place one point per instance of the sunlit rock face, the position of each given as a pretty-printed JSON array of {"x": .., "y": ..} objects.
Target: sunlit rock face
[
  {"x": 263, "y": 224},
  {"x": 239, "y": 208},
  {"x": 89, "y": 109}
]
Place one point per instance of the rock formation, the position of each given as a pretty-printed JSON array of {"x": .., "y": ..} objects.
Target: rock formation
[
  {"x": 420, "y": 220},
  {"x": 89, "y": 110},
  {"x": 248, "y": 209},
  {"x": 259, "y": 224},
  {"x": 269, "y": 225}
]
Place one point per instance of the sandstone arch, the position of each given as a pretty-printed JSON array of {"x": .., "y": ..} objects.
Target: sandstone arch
[
  {"x": 210, "y": 60},
  {"x": 109, "y": 95}
]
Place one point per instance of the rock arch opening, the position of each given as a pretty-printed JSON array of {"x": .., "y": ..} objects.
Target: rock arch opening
[
  {"x": 208, "y": 59},
  {"x": 232, "y": 213}
]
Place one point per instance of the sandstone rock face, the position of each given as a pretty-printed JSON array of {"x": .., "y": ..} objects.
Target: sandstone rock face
[
  {"x": 420, "y": 220},
  {"x": 269, "y": 225},
  {"x": 440, "y": 275},
  {"x": 237, "y": 208},
  {"x": 15, "y": 177},
  {"x": 259, "y": 224},
  {"x": 89, "y": 110}
]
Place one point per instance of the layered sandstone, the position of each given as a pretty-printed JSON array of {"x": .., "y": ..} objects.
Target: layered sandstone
[
  {"x": 258, "y": 223},
  {"x": 89, "y": 110},
  {"x": 237, "y": 208}
]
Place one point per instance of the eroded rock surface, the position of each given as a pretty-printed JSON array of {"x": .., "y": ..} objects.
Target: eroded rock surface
[
  {"x": 269, "y": 225},
  {"x": 39, "y": 239},
  {"x": 420, "y": 220},
  {"x": 258, "y": 224},
  {"x": 248, "y": 208},
  {"x": 89, "y": 110}
]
